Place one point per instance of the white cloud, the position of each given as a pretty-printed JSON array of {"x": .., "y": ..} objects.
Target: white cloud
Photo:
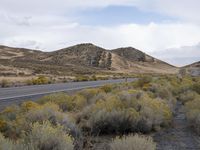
[
  {"x": 50, "y": 25},
  {"x": 187, "y": 10},
  {"x": 184, "y": 9},
  {"x": 52, "y": 32},
  {"x": 180, "y": 56},
  {"x": 58, "y": 6}
]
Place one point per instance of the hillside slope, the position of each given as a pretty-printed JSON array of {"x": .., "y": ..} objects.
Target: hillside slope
[
  {"x": 194, "y": 69},
  {"x": 79, "y": 59}
]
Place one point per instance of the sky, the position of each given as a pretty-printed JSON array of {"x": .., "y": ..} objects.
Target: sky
[{"x": 166, "y": 29}]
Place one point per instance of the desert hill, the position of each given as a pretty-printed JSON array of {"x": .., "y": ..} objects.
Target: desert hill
[
  {"x": 193, "y": 69},
  {"x": 79, "y": 59}
]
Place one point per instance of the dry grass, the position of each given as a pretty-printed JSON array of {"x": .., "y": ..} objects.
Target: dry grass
[{"x": 131, "y": 142}]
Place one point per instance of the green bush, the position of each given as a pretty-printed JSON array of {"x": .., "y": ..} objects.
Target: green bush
[
  {"x": 188, "y": 96},
  {"x": 7, "y": 122},
  {"x": 79, "y": 102},
  {"x": 39, "y": 80},
  {"x": 61, "y": 99},
  {"x": 107, "y": 88},
  {"x": 144, "y": 81},
  {"x": 81, "y": 78},
  {"x": 109, "y": 122},
  {"x": 47, "y": 137},
  {"x": 193, "y": 114},
  {"x": 10, "y": 112},
  {"x": 131, "y": 142},
  {"x": 93, "y": 78},
  {"x": 125, "y": 112},
  {"x": 50, "y": 112},
  {"x": 89, "y": 94},
  {"x": 29, "y": 105},
  {"x": 196, "y": 87},
  {"x": 155, "y": 113}
]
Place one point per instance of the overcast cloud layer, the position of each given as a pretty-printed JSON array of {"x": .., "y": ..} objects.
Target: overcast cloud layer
[{"x": 51, "y": 25}]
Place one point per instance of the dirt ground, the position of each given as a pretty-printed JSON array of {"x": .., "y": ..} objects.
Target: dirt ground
[{"x": 179, "y": 136}]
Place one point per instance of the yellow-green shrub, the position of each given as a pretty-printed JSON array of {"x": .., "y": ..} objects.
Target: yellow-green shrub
[
  {"x": 39, "y": 80},
  {"x": 144, "y": 81},
  {"x": 193, "y": 114},
  {"x": 154, "y": 113},
  {"x": 107, "y": 88},
  {"x": 51, "y": 112},
  {"x": 10, "y": 112},
  {"x": 196, "y": 87},
  {"x": 7, "y": 119},
  {"x": 48, "y": 111},
  {"x": 61, "y": 99},
  {"x": 125, "y": 112},
  {"x": 28, "y": 105},
  {"x": 81, "y": 78},
  {"x": 47, "y": 137},
  {"x": 111, "y": 103},
  {"x": 115, "y": 121},
  {"x": 133, "y": 142},
  {"x": 130, "y": 98},
  {"x": 79, "y": 102},
  {"x": 188, "y": 96},
  {"x": 4, "y": 83},
  {"x": 89, "y": 94}
]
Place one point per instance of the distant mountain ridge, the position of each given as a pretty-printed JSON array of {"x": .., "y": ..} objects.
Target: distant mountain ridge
[{"x": 80, "y": 59}]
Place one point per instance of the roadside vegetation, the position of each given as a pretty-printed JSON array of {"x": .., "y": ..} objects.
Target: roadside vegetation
[
  {"x": 4, "y": 83},
  {"x": 23, "y": 80},
  {"x": 133, "y": 142},
  {"x": 125, "y": 111},
  {"x": 191, "y": 99}
]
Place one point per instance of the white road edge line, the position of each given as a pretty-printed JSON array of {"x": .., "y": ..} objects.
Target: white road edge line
[{"x": 78, "y": 88}]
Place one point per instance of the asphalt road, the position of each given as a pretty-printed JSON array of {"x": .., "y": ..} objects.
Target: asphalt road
[{"x": 16, "y": 95}]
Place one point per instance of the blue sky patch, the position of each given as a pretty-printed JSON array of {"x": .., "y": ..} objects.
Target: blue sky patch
[{"x": 114, "y": 15}]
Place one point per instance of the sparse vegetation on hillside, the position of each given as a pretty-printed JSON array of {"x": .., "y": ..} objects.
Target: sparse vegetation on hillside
[{"x": 82, "y": 59}]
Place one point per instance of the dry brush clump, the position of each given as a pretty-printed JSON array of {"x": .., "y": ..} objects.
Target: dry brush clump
[
  {"x": 61, "y": 99},
  {"x": 188, "y": 96},
  {"x": 39, "y": 80},
  {"x": 43, "y": 136},
  {"x": 4, "y": 83},
  {"x": 14, "y": 122},
  {"x": 135, "y": 112},
  {"x": 133, "y": 142},
  {"x": 193, "y": 113},
  {"x": 187, "y": 92},
  {"x": 6, "y": 144}
]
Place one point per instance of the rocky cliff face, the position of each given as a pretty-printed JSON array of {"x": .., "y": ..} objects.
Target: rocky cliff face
[{"x": 83, "y": 54}]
